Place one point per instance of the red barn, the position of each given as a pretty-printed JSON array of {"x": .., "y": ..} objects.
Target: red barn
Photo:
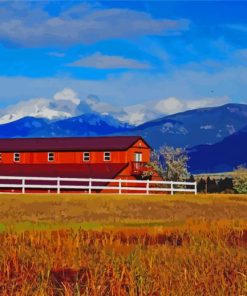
[{"x": 82, "y": 157}]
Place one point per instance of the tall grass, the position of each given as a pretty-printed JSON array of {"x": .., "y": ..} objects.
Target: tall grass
[{"x": 202, "y": 257}]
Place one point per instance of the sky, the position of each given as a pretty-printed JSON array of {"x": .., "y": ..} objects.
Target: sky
[{"x": 135, "y": 60}]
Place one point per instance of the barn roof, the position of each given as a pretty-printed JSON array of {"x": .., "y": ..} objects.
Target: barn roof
[
  {"x": 68, "y": 144},
  {"x": 101, "y": 171}
]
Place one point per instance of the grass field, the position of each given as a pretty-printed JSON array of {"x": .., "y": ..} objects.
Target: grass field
[{"x": 123, "y": 245}]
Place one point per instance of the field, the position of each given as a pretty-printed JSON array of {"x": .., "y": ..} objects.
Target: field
[{"x": 123, "y": 245}]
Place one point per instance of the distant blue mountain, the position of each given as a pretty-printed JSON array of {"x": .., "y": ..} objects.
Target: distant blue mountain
[
  {"x": 220, "y": 157},
  {"x": 185, "y": 129},
  {"x": 91, "y": 124},
  {"x": 194, "y": 127},
  {"x": 23, "y": 127}
]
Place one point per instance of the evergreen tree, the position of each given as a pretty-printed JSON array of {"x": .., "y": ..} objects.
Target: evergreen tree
[
  {"x": 201, "y": 185},
  {"x": 191, "y": 179},
  {"x": 211, "y": 185},
  {"x": 225, "y": 184}
]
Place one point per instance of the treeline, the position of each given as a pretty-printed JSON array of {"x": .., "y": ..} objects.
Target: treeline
[{"x": 211, "y": 185}]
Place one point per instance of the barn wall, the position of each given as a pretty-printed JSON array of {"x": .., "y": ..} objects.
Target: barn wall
[
  {"x": 64, "y": 157},
  {"x": 76, "y": 157}
]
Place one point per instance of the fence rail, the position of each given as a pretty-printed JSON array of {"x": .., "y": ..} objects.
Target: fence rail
[{"x": 89, "y": 185}]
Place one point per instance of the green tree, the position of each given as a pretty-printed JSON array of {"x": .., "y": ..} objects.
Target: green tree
[{"x": 240, "y": 179}]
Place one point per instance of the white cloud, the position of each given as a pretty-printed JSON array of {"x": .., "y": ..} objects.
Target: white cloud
[
  {"x": 137, "y": 114},
  {"x": 92, "y": 103},
  {"x": 134, "y": 118},
  {"x": 39, "y": 107},
  {"x": 67, "y": 94},
  {"x": 66, "y": 103},
  {"x": 173, "y": 105},
  {"x": 197, "y": 88},
  {"x": 63, "y": 105},
  {"x": 138, "y": 96},
  {"x": 170, "y": 105},
  {"x": 25, "y": 26},
  {"x": 100, "y": 61},
  {"x": 207, "y": 102}
]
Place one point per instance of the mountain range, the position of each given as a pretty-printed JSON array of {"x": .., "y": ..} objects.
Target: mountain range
[
  {"x": 216, "y": 137},
  {"x": 223, "y": 156},
  {"x": 195, "y": 127}
]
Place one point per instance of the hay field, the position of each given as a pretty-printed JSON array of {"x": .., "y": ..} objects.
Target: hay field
[{"x": 123, "y": 245}]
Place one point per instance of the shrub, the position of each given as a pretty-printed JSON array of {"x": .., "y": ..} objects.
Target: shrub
[{"x": 240, "y": 179}]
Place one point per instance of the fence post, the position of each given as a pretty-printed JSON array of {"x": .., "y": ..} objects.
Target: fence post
[
  {"x": 147, "y": 187},
  {"x": 90, "y": 186},
  {"x": 58, "y": 185},
  {"x": 23, "y": 185},
  {"x": 172, "y": 188},
  {"x": 119, "y": 186},
  {"x": 195, "y": 188}
]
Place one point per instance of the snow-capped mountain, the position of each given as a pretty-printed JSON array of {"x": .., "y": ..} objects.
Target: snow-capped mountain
[
  {"x": 40, "y": 108},
  {"x": 66, "y": 104},
  {"x": 33, "y": 108},
  {"x": 91, "y": 124}
]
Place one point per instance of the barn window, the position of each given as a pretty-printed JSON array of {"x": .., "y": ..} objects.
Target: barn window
[
  {"x": 107, "y": 156},
  {"x": 86, "y": 156},
  {"x": 17, "y": 157},
  {"x": 138, "y": 156},
  {"x": 51, "y": 156}
]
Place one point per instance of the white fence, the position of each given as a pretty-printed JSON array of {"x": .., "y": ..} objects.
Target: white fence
[{"x": 94, "y": 185}]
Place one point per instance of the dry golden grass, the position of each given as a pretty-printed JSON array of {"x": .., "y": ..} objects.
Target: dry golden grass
[
  {"x": 132, "y": 246},
  {"x": 118, "y": 210}
]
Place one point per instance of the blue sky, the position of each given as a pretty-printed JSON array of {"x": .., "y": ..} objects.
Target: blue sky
[{"x": 133, "y": 55}]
